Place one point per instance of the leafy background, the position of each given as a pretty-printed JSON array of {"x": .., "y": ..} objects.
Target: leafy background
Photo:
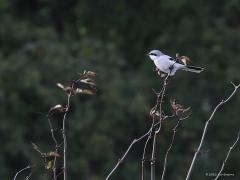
[{"x": 43, "y": 42}]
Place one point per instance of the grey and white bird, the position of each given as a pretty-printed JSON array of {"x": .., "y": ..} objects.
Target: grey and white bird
[{"x": 169, "y": 65}]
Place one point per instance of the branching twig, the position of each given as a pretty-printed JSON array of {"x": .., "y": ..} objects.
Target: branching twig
[
  {"x": 125, "y": 154},
  {"x": 59, "y": 174},
  {"x": 23, "y": 169},
  {"x": 154, "y": 112},
  {"x": 84, "y": 85},
  {"x": 170, "y": 147},
  {"x": 56, "y": 147},
  {"x": 29, "y": 176},
  {"x": 179, "y": 112},
  {"x": 159, "y": 102},
  {"x": 153, "y": 157},
  {"x": 64, "y": 137},
  {"x": 229, "y": 152},
  {"x": 145, "y": 146},
  {"x": 206, "y": 126},
  {"x": 130, "y": 146},
  {"x": 144, "y": 153}
]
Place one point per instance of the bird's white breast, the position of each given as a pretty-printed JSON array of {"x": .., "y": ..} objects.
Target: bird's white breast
[{"x": 163, "y": 63}]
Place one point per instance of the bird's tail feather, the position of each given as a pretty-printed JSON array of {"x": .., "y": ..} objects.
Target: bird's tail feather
[{"x": 193, "y": 69}]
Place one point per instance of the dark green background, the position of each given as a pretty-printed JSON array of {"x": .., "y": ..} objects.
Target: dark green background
[{"x": 43, "y": 42}]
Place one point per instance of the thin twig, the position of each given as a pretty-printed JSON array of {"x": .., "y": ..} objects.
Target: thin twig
[
  {"x": 159, "y": 102},
  {"x": 145, "y": 147},
  {"x": 65, "y": 138},
  {"x": 146, "y": 143},
  {"x": 125, "y": 154},
  {"x": 170, "y": 147},
  {"x": 59, "y": 174},
  {"x": 152, "y": 113},
  {"x": 29, "y": 176},
  {"x": 56, "y": 147},
  {"x": 84, "y": 85},
  {"x": 141, "y": 137},
  {"x": 130, "y": 146},
  {"x": 143, "y": 156},
  {"x": 229, "y": 152},
  {"x": 206, "y": 126},
  {"x": 21, "y": 170},
  {"x": 153, "y": 157},
  {"x": 161, "y": 95}
]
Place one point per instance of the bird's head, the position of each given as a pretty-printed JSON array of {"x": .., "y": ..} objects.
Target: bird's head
[{"x": 154, "y": 54}]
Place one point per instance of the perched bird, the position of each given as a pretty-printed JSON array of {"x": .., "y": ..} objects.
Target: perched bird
[{"x": 169, "y": 65}]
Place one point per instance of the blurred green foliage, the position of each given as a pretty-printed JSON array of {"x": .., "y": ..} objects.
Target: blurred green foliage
[{"x": 43, "y": 42}]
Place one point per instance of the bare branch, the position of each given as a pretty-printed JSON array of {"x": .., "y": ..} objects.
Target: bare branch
[
  {"x": 21, "y": 170},
  {"x": 130, "y": 146},
  {"x": 145, "y": 146},
  {"x": 229, "y": 152},
  {"x": 64, "y": 137},
  {"x": 125, "y": 154},
  {"x": 56, "y": 148},
  {"x": 170, "y": 147},
  {"x": 29, "y": 176},
  {"x": 206, "y": 126},
  {"x": 153, "y": 111},
  {"x": 160, "y": 103},
  {"x": 84, "y": 85},
  {"x": 180, "y": 113},
  {"x": 153, "y": 157},
  {"x": 59, "y": 174}
]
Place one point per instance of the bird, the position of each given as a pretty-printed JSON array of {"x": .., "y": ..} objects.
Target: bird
[{"x": 169, "y": 65}]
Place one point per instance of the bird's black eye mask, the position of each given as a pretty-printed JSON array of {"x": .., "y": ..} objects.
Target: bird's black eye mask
[{"x": 153, "y": 54}]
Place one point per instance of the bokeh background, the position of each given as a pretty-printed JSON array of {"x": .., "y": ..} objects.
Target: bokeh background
[{"x": 43, "y": 42}]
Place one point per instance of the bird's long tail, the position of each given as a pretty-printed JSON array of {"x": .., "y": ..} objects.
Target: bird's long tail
[{"x": 193, "y": 69}]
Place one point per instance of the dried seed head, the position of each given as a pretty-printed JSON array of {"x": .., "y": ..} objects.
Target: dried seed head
[
  {"x": 177, "y": 108},
  {"x": 183, "y": 59}
]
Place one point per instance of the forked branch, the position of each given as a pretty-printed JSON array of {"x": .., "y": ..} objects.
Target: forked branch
[
  {"x": 159, "y": 103},
  {"x": 145, "y": 147},
  {"x": 22, "y": 170},
  {"x": 65, "y": 138},
  {"x": 229, "y": 152},
  {"x": 179, "y": 112},
  {"x": 127, "y": 151},
  {"x": 170, "y": 147},
  {"x": 153, "y": 112},
  {"x": 130, "y": 147},
  {"x": 206, "y": 126}
]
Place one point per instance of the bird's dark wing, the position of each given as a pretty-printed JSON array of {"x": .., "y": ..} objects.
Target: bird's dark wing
[{"x": 176, "y": 60}]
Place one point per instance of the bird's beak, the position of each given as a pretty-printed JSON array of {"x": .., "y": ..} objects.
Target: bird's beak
[{"x": 147, "y": 54}]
